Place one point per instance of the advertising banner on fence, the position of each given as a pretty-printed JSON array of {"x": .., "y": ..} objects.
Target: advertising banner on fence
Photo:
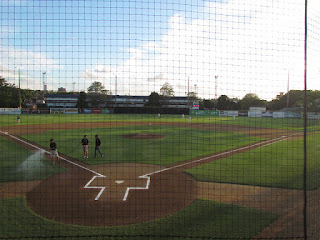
[
  {"x": 204, "y": 112},
  {"x": 10, "y": 111},
  {"x": 86, "y": 110},
  {"x": 228, "y": 113},
  {"x": 71, "y": 110},
  {"x": 96, "y": 110},
  {"x": 267, "y": 114},
  {"x": 313, "y": 116},
  {"x": 286, "y": 115},
  {"x": 292, "y": 115},
  {"x": 57, "y": 110},
  {"x": 106, "y": 111},
  {"x": 44, "y": 110},
  {"x": 278, "y": 115},
  {"x": 254, "y": 114},
  {"x": 243, "y": 114}
]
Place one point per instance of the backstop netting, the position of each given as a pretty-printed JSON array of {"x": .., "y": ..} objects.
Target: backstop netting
[{"x": 173, "y": 119}]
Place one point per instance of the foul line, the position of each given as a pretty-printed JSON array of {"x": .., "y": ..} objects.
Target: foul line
[
  {"x": 147, "y": 176},
  {"x": 78, "y": 165}
]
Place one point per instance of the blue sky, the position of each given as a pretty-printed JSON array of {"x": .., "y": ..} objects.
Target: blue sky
[{"x": 146, "y": 43}]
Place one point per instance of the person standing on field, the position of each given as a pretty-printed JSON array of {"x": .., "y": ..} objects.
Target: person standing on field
[
  {"x": 97, "y": 147},
  {"x": 85, "y": 146},
  {"x": 54, "y": 152}
]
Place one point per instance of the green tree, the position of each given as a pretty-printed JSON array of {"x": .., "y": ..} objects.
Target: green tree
[
  {"x": 98, "y": 96},
  {"x": 82, "y": 100},
  {"x": 96, "y": 87},
  {"x": 192, "y": 96},
  {"x": 154, "y": 100},
  {"x": 208, "y": 104},
  {"x": 166, "y": 90},
  {"x": 9, "y": 94},
  {"x": 224, "y": 103},
  {"x": 26, "y": 96},
  {"x": 250, "y": 100}
]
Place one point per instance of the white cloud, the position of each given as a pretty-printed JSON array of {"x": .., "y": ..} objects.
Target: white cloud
[
  {"x": 98, "y": 72},
  {"x": 250, "y": 46},
  {"x": 31, "y": 65}
]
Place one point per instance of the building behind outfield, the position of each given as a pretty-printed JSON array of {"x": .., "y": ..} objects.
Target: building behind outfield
[
  {"x": 61, "y": 100},
  {"x": 115, "y": 101},
  {"x": 142, "y": 101}
]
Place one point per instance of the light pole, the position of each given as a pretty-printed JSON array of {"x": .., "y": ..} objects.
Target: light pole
[
  {"x": 288, "y": 89},
  {"x": 215, "y": 92},
  {"x": 19, "y": 87},
  {"x": 116, "y": 91},
  {"x": 44, "y": 82}
]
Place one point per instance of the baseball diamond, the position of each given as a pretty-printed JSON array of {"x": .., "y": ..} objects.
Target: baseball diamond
[{"x": 127, "y": 193}]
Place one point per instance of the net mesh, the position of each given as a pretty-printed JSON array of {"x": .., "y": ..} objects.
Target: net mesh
[{"x": 167, "y": 119}]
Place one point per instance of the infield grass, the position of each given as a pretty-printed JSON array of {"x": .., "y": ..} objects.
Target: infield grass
[
  {"x": 277, "y": 165},
  {"x": 20, "y": 164},
  {"x": 177, "y": 144},
  {"x": 202, "y": 219}
]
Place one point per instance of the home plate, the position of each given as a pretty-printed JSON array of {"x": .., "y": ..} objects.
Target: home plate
[{"x": 119, "y": 181}]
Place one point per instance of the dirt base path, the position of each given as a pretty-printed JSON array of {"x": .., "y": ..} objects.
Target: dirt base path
[{"x": 16, "y": 189}]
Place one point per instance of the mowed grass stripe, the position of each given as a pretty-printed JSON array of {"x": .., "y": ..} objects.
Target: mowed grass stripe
[
  {"x": 177, "y": 144},
  {"x": 276, "y": 165}
]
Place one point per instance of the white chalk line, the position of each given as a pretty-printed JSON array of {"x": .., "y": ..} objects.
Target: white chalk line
[
  {"x": 147, "y": 176},
  {"x": 78, "y": 165},
  {"x": 101, "y": 188}
]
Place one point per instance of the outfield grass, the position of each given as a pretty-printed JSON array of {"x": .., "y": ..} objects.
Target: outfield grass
[
  {"x": 178, "y": 144},
  {"x": 20, "y": 164},
  {"x": 280, "y": 123},
  {"x": 202, "y": 219},
  {"x": 276, "y": 165}
]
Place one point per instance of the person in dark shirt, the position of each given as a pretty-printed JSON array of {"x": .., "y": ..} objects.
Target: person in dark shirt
[
  {"x": 85, "y": 146},
  {"x": 97, "y": 146},
  {"x": 54, "y": 152}
]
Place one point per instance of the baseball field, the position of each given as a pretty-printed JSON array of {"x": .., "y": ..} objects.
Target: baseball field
[{"x": 162, "y": 177}]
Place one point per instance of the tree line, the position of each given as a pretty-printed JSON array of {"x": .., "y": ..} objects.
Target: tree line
[{"x": 98, "y": 96}]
